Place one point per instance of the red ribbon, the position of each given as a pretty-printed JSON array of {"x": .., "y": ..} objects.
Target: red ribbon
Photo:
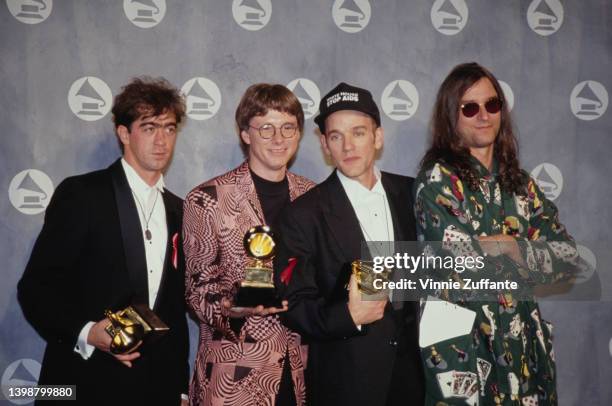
[
  {"x": 175, "y": 250},
  {"x": 286, "y": 274}
]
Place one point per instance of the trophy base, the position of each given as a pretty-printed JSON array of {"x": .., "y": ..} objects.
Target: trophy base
[
  {"x": 154, "y": 327},
  {"x": 249, "y": 296}
]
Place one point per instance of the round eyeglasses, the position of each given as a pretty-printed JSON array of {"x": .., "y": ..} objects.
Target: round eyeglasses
[
  {"x": 267, "y": 131},
  {"x": 492, "y": 106}
]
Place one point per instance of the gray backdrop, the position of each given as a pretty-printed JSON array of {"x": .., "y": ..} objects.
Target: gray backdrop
[{"x": 62, "y": 62}]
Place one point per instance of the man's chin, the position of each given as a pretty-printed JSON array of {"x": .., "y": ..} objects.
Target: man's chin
[
  {"x": 278, "y": 162},
  {"x": 158, "y": 166},
  {"x": 349, "y": 172}
]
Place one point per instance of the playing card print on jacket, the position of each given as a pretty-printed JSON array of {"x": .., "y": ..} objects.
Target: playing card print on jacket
[{"x": 508, "y": 357}]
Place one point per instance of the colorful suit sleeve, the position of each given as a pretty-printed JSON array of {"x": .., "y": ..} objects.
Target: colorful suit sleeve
[
  {"x": 206, "y": 281},
  {"x": 551, "y": 252},
  {"x": 447, "y": 212}
]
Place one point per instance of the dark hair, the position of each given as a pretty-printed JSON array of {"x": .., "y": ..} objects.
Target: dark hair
[
  {"x": 261, "y": 97},
  {"x": 146, "y": 95},
  {"x": 446, "y": 142}
]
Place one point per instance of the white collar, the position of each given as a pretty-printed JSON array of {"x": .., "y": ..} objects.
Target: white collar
[{"x": 137, "y": 184}]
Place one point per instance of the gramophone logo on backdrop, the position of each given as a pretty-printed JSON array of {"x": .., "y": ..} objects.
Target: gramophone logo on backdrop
[
  {"x": 400, "y": 100},
  {"x": 144, "y": 13},
  {"x": 549, "y": 179},
  {"x": 252, "y": 15},
  {"x": 203, "y": 98},
  {"x": 23, "y": 373},
  {"x": 589, "y": 100},
  {"x": 545, "y": 16},
  {"x": 90, "y": 98},
  {"x": 30, "y": 11},
  {"x": 30, "y": 191},
  {"x": 449, "y": 16},
  {"x": 351, "y": 15},
  {"x": 307, "y": 93},
  {"x": 508, "y": 94}
]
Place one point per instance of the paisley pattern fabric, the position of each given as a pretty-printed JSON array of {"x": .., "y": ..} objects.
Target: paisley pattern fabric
[
  {"x": 508, "y": 358},
  {"x": 233, "y": 368}
]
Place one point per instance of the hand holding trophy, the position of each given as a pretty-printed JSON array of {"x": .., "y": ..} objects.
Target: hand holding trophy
[
  {"x": 125, "y": 333},
  {"x": 365, "y": 275},
  {"x": 366, "y": 302},
  {"x": 130, "y": 326}
]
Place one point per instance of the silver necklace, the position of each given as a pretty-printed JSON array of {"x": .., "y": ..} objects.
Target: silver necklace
[{"x": 148, "y": 234}]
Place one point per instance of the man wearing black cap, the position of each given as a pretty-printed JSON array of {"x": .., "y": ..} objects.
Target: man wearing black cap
[{"x": 362, "y": 352}]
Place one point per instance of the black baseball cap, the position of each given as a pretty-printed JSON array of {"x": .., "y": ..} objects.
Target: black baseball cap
[{"x": 346, "y": 97}]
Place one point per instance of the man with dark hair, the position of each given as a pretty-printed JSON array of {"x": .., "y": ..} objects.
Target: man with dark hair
[
  {"x": 361, "y": 352},
  {"x": 471, "y": 189},
  {"x": 145, "y": 95},
  {"x": 245, "y": 356},
  {"x": 110, "y": 239}
]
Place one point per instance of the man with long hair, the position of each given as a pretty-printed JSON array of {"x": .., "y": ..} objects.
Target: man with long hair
[{"x": 471, "y": 189}]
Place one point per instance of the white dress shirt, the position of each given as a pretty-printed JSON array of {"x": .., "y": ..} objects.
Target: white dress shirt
[
  {"x": 150, "y": 206},
  {"x": 372, "y": 208},
  {"x": 373, "y": 213}
]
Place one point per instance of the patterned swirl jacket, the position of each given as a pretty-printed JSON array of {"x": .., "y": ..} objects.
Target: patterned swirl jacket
[
  {"x": 233, "y": 367},
  {"x": 508, "y": 358}
]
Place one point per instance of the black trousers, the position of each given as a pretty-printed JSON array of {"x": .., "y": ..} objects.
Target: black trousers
[
  {"x": 404, "y": 388},
  {"x": 286, "y": 393}
]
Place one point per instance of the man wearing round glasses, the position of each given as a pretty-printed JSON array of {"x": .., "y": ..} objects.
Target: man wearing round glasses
[
  {"x": 245, "y": 356},
  {"x": 471, "y": 189}
]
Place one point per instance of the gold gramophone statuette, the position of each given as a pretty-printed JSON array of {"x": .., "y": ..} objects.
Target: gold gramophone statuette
[
  {"x": 365, "y": 274},
  {"x": 259, "y": 245},
  {"x": 128, "y": 327},
  {"x": 257, "y": 287}
]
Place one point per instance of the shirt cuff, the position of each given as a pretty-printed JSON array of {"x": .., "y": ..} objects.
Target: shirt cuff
[
  {"x": 184, "y": 397},
  {"x": 82, "y": 347}
]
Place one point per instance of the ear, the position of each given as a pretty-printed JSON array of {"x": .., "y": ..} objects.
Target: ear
[
  {"x": 324, "y": 146},
  {"x": 379, "y": 138},
  {"x": 246, "y": 137},
  {"x": 124, "y": 134}
]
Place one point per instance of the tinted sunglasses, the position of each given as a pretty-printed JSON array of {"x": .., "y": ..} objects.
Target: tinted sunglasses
[{"x": 492, "y": 106}]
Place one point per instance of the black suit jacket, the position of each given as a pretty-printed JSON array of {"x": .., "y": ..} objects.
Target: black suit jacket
[
  {"x": 90, "y": 257},
  {"x": 379, "y": 365}
]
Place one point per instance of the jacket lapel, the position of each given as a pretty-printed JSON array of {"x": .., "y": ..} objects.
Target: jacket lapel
[
  {"x": 295, "y": 189},
  {"x": 172, "y": 223},
  {"x": 131, "y": 234},
  {"x": 341, "y": 218},
  {"x": 399, "y": 197},
  {"x": 401, "y": 209},
  {"x": 247, "y": 187}
]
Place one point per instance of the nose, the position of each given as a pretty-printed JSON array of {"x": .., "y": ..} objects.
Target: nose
[
  {"x": 160, "y": 136},
  {"x": 277, "y": 138},
  {"x": 483, "y": 114},
  {"x": 347, "y": 143}
]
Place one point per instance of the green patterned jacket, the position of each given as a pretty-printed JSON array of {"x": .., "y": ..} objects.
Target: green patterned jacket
[{"x": 508, "y": 358}]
